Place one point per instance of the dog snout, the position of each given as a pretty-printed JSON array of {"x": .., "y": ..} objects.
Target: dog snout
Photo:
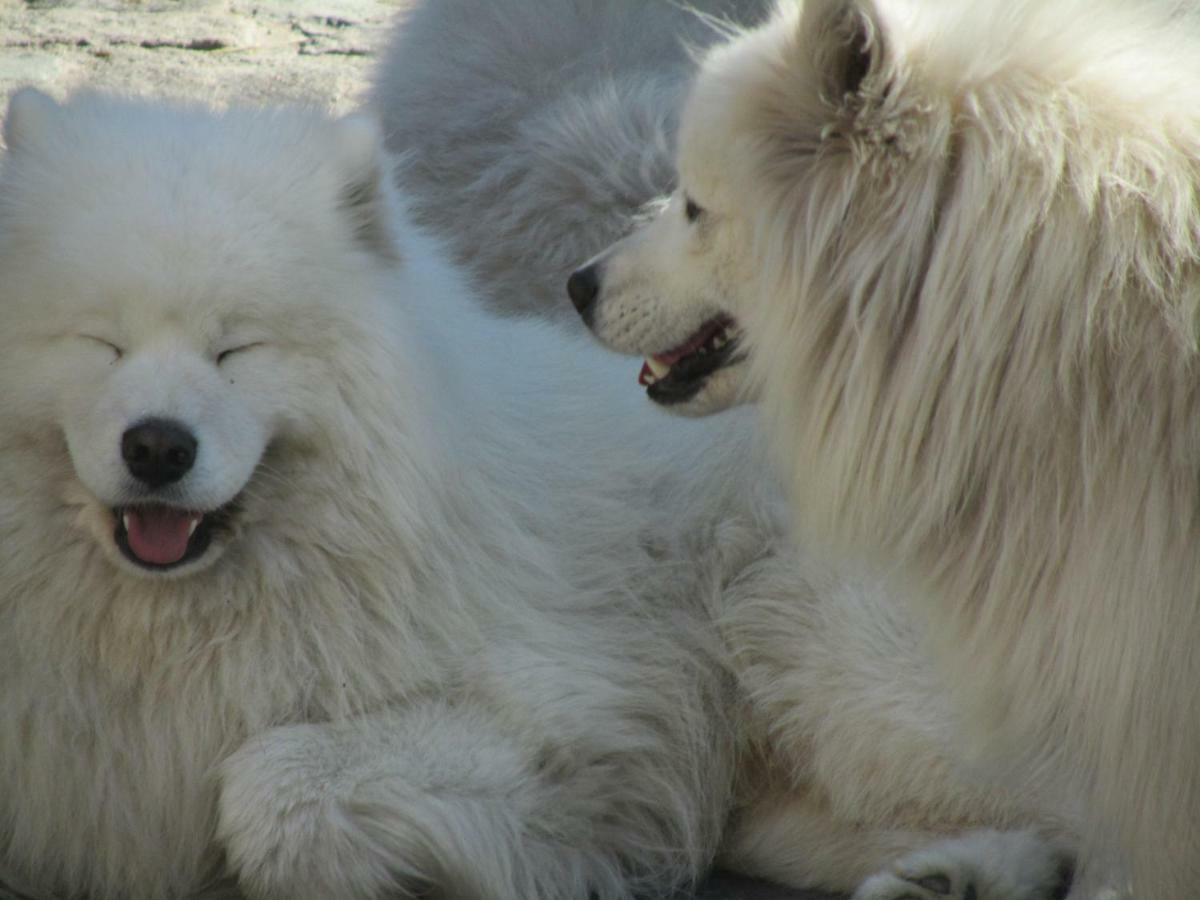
[
  {"x": 584, "y": 287},
  {"x": 158, "y": 452}
]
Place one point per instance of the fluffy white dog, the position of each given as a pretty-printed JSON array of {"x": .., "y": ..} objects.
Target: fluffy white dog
[
  {"x": 316, "y": 581},
  {"x": 536, "y": 132},
  {"x": 963, "y": 241},
  {"x": 309, "y": 575}
]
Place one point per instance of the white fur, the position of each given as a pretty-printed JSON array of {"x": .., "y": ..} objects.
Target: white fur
[
  {"x": 535, "y": 131},
  {"x": 541, "y": 149},
  {"x": 394, "y": 673},
  {"x": 459, "y": 637},
  {"x": 981, "y": 864},
  {"x": 970, "y": 295}
]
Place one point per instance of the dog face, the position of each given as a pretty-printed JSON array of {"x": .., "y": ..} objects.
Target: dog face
[
  {"x": 168, "y": 324},
  {"x": 663, "y": 293},
  {"x": 673, "y": 291},
  {"x": 165, "y": 431}
]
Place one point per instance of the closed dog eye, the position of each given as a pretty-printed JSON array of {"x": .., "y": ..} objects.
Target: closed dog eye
[
  {"x": 241, "y": 348},
  {"x": 109, "y": 344}
]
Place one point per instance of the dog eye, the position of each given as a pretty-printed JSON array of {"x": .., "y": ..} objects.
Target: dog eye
[
  {"x": 692, "y": 209},
  {"x": 117, "y": 351},
  {"x": 225, "y": 354}
]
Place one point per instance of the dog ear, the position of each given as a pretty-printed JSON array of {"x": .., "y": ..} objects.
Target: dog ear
[
  {"x": 365, "y": 194},
  {"x": 29, "y": 115},
  {"x": 847, "y": 44}
]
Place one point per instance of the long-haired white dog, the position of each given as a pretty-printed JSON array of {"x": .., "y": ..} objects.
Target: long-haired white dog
[
  {"x": 960, "y": 243},
  {"x": 318, "y": 582},
  {"x": 309, "y": 577}
]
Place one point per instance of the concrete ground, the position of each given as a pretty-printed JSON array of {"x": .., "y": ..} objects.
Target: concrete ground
[
  {"x": 218, "y": 50},
  {"x": 222, "y": 50}
]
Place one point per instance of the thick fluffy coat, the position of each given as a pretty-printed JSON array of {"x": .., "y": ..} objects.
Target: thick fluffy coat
[
  {"x": 963, "y": 241},
  {"x": 316, "y": 581},
  {"x": 533, "y": 130},
  {"x": 375, "y": 665}
]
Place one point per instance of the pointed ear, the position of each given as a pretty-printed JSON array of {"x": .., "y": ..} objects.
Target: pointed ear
[
  {"x": 847, "y": 44},
  {"x": 29, "y": 115},
  {"x": 359, "y": 154}
]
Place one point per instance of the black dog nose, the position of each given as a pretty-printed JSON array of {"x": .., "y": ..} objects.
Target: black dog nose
[
  {"x": 584, "y": 287},
  {"x": 158, "y": 451}
]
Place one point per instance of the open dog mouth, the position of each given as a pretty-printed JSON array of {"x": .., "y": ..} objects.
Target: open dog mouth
[
  {"x": 159, "y": 537},
  {"x": 677, "y": 375}
]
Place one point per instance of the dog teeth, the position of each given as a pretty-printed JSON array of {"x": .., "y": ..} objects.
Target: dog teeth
[
  {"x": 125, "y": 521},
  {"x": 658, "y": 369},
  {"x": 720, "y": 341},
  {"x": 193, "y": 526}
]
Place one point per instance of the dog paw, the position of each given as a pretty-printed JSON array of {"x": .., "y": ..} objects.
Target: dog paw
[
  {"x": 942, "y": 884},
  {"x": 283, "y": 822},
  {"x": 985, "y": 865}
]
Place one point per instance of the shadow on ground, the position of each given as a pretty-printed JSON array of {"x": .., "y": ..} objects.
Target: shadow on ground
[
  {"x": 719, "y": 887},
  {"x": 732, "y": 887}
]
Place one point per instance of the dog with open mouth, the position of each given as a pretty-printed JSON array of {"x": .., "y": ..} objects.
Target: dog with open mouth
[
  {"x": 317, "y": 581},
  {"x": 163, "y": 451},
  {"x": 290, "y": 605},
  {"x": 961, "y": 242}
]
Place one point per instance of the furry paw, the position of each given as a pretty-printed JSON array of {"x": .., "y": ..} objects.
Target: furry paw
[
  {"x": 283, "y": 820},
  {"x": 985, "y": 865}
]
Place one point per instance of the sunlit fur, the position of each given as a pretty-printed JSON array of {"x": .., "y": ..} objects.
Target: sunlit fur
[
  {"x": 972, "y": 297},
  {"x": 440, "y": 653},
  {"x": 460, "y": 643}
]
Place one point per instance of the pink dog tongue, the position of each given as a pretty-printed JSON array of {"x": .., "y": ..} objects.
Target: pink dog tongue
[{"x": 159, "y": 535}]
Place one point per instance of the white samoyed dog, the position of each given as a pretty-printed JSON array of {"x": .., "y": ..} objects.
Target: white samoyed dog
[
  {"x": 316, "y": 581},
  {"x": 960, "y": 245},
  {"x": 537, "y": 132}
]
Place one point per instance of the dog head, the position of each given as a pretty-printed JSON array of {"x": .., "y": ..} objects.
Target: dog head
[
  {"x": 672, "y": 290},
  {"x": 678, "y": 289},
  {"x": 939, "y": 227},
  {"x": 663, "y": 293},
  {"x": 166, "y": 315}
]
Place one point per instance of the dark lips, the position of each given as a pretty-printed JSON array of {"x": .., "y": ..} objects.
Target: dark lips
[{"x": 687, "y": 376}]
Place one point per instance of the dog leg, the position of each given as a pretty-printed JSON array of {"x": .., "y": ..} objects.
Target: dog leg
[
  {"x": 799, "y": 842},
  {"x": 795, "y": 839},
  {"x": 438, "y": 800}
]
